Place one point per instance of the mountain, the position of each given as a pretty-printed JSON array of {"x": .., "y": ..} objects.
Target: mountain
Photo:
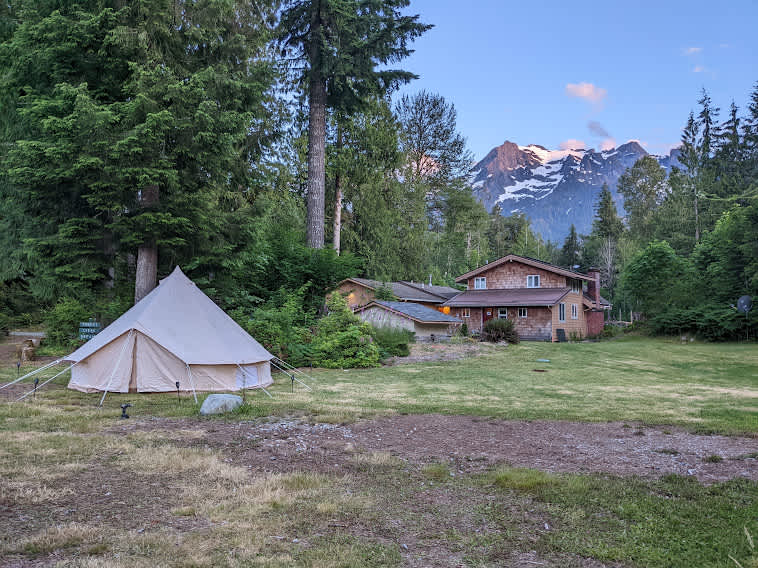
[{"x": 555, "y": 188}]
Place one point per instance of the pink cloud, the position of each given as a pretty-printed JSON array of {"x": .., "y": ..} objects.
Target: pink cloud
[
  {"x": 699, "y": 69},
  {"x": 608, "y": 144},
  {"x": 586, "y": 91},
  {"x": 572, "y": 144}
]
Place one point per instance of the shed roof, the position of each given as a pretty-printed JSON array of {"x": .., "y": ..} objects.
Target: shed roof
[
  {"x": 508, "y": 297},
  {"x": 413, "y": 311}
]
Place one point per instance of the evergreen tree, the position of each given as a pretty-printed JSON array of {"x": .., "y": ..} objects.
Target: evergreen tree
[
  {"x": 607, "y": 223},
  {"x": 571, "y": 251},
  {"x": 134, "y": 124},
  {"x": 342, "y": 43}
]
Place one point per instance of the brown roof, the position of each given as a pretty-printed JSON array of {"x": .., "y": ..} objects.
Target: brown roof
[
  {"x": 524, "y": 260},
  {"x": 401, "y": 290},
  {"x": 445, "y": 291},
  {"x": 509, "y": 297}
]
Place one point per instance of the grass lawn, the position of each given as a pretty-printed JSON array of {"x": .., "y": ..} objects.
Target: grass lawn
[{"x": 77, "y": 490}]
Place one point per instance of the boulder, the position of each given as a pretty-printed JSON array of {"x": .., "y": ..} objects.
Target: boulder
[{"x": 220, "y": 403}]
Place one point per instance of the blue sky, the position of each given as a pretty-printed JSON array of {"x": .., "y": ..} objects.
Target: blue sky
[{"x": 597, "y": 72}]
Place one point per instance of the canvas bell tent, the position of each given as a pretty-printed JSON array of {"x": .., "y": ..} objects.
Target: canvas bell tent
[{"x": 174, "y": 334}]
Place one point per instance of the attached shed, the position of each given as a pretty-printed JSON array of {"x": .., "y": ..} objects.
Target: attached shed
[{"x": 424, "y": 322}]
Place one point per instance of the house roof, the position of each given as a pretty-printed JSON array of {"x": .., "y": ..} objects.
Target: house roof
[
  {"x": 413, "y": 311},
  {"x": 402, "y": 290},
  {"x": 443, "y": 291},
  {"x": 508, "y": 297},
  {"x": 524, "y": 260}
]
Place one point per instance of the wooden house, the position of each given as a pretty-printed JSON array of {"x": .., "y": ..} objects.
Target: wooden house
[{"x": 546, "y": 302}]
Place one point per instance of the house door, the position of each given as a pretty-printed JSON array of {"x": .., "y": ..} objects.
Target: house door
[{"x": 488, "y": 314}]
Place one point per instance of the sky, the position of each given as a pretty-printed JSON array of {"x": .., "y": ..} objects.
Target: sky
[{"x": 583, "y": 74}]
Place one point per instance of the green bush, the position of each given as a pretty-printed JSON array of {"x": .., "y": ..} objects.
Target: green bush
[
  {"x": 347, "y": 349},
  {"x": 5, "y": 324},
  {"x": 342, "y": 339},
  {"x": 393, "y": 341},
  {"x": 500, "y": 330},
  {"x": 711, "y": 322},
  {"x": 282, "y": 325},
  {"x": 463, "y": 330},
  {"x": 62, "y": 322}
]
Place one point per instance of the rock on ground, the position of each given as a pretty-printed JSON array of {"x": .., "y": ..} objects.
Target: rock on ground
[{"x": 220, "y": 403}]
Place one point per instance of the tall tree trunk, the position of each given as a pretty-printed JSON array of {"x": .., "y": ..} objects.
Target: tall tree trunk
[
  {"x": 147, "y": 253},
  {"x": 337, "y": 229},
  {"x": 316, "y": 144}
]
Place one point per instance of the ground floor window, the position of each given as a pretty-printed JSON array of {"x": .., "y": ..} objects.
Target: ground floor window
[
  {"x": 574, "y": 311},
  {"x": 465, "y": 312},
  {"x": 561, "y": 312},
  {"x": 502, "y": 313},
  {"x": 522, "y": 312}
]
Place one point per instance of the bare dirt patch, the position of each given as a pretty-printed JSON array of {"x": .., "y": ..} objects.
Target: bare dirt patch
[{"x": 472, "y": 444}]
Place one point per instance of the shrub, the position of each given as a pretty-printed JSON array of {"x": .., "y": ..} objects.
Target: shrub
[
  {"x": 384, "y": 292},
  {"x": 393, "y": 341},
  {"x": 353, "y": 347},
  {"x": 500, "y": 330},
  {"x": 711, "y": 322},
  {"x": 5, "y": 324},
  {"x": 342, "y": 339},
  {"x": 62, "y": 321},
  {"x": 463, "y": 330}
]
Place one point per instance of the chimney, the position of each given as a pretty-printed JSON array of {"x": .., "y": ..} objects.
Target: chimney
[{"x": 593, "y": 287}]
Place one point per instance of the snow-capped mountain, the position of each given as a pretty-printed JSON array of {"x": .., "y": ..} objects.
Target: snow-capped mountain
[{"x": 554, "y": 188}]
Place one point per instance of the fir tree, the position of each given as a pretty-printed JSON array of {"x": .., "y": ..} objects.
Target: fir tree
[
  {"x": 341, "y": 43},
  {"x": 607, "y": 223},
  {"x": 571, "y": 251}
]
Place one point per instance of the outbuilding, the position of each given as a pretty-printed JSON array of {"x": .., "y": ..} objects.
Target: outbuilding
[{"x": 427, "y": 323}]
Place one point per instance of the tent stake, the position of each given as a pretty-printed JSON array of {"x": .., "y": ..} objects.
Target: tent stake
[
  {"x": 34, "y": 390},
  {"x": 291, "y": 376},
  {"x": 34, "y": 372}
]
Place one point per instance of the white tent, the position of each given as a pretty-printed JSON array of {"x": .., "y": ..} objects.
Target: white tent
[{"x": 174, "y": 334}]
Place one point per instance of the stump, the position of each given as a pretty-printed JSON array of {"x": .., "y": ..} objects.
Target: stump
[{"x": 27, "y": 354}]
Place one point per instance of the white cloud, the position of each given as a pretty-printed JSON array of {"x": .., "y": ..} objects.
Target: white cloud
[
  {"x": 608, "y": 144},
  {"x": 572, "y": 144},
  {"x": 586, "y": 91},
  {"x": 691, "y": 50}
]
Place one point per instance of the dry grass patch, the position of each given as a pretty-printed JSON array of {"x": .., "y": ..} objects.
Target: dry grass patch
[
  {"x": 55, "y": 538},
  {"x": 31, "y": 492},
  {"x": 169, "y": 460}
]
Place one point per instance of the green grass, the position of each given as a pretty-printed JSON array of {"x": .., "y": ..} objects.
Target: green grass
[
  {"x": 364, "y": 515},
  {"x": 704, "y": 387},
  {"x": 672, "y": 522}
]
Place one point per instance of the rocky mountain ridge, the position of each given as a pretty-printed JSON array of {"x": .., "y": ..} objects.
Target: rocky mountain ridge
[{"x": 555, "y": 188}]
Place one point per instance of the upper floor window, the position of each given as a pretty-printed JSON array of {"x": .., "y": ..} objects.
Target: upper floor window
[
  {"x": 576, "y": 286},
  {"x": 533, "y": 281},
  {"x": 480, "y": 283}
]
